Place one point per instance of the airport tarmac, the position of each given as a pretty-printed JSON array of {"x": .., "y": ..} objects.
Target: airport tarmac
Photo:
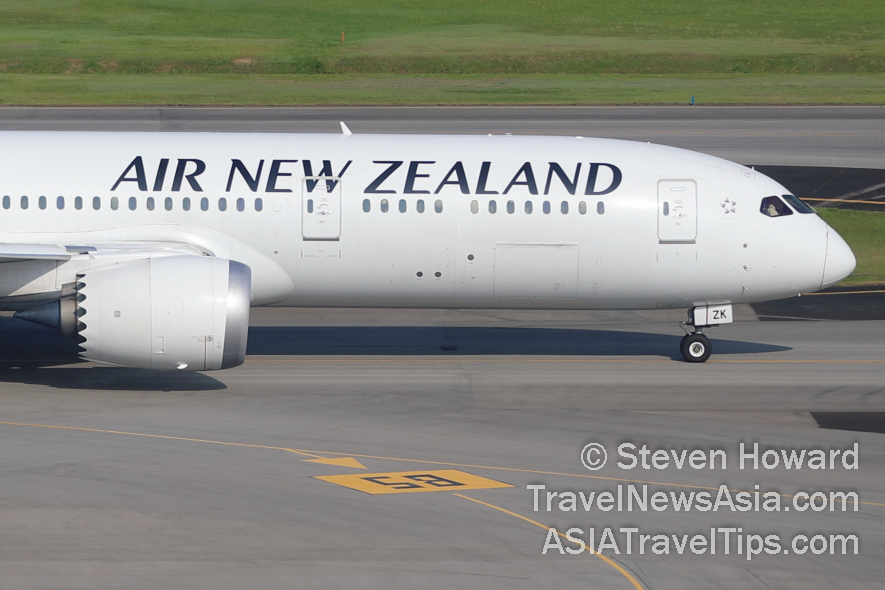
[
  {"x": 120, "y": 478},
  {"x": 124, "y": 478},
  {"x": 851, "y": 137}
]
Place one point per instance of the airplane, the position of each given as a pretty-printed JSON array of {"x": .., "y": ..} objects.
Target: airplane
[{"x": 150, "y": 248}]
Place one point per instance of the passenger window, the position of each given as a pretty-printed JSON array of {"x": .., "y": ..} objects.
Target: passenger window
[
  {"x": 204, "y": 204},
  {"x": 115, "y": 203},
  {"x": 186, "y": 204},
  {"x": 59, "y": 203},
  {"x": 259, "y": 204},
  {"x": 41, "y": 202},
  {"x": 600, "y": 207},
  {"x": 168, "y": 203},
  {"x": 24, "y": 202},
  {"x": 419, "y": 206},
  {"x": 367, "y": 205},
  {"x": 511, "y": 207},
  {"x": 493, "y": 206},
  {"x": 384, "y": 206},
  {"x": 133, "y": 203},
  {"x": 151, "y": 204},
  {"x": 563, "y": 207},
  {"x": 78, "y": 203},
  {"x": 797, "y": 204},
  {"x": 474, "y": 206},
  {"x": 241, "y": 204},
  {"x": 774, "y": 207},
  {"x": 222, "y": 204},
  {"x": 6, "y": 202},
  {"x": 546, "y": 208},
  {"x": 528, "y": 207},
  {"x": 402, "y": 205},
  {"x": 438, "y": 206},
  {"x": 582, "y": 208},
  {"x": 96, "y": 203},
  {"x": 666, "y": 208}
]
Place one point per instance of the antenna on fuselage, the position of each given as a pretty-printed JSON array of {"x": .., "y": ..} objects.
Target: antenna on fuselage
[{"x": 347, "y": 132}]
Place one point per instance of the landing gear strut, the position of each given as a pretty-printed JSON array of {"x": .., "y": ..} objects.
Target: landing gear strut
[{"x": 695, "y": 346}]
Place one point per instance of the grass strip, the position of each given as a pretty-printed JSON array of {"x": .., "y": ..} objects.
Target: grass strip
[
  {"x": 279, "y": 52},
  {"x": 865, "y": 233},
  {"x": 387, "y": 89}
]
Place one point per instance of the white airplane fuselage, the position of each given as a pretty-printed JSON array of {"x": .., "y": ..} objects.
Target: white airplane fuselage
[
  {"x": 574, "y": 250},
  {"x": 393, "y": 221}
]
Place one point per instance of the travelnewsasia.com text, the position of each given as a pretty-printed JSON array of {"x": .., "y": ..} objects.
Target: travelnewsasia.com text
[{"x": 638, "y": 498}]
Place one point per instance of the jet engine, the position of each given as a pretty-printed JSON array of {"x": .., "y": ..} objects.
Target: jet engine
[{"x": 167, "y": 312}]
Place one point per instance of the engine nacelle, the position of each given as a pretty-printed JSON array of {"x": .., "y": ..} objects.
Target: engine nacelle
[{"x": 168, "y": 312}]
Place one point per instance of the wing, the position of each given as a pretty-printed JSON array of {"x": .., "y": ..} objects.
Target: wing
[
  {"x": 13, "y": 252},
  {"x": 20, "y": 252}
]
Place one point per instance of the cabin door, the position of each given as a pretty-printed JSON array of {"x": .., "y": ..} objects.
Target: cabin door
[
  {"x": 321, "y": 208},
  {"x": 677, "y": 211}
]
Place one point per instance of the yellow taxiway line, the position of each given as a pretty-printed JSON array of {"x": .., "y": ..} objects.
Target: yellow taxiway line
[
  {"x": 845, "y": 201},
  {"x": 607, "y": 560},
  {"x": 520, "y": 359},
  {"x": 319, "y": 455}
]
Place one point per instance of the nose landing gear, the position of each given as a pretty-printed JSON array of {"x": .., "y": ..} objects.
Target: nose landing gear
[{"x": 695, "y": 346}]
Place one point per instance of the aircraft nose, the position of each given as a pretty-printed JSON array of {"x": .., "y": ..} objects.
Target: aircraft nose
[{"x": 840, "y": 261}]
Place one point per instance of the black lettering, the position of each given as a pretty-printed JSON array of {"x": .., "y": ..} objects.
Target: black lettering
[
  {"x": 460, "y": 180},
  {"x": 326, "y": 171},
  {"x": 570, "y": 184},
  {"x": 140, "y": 178},
  {"x": 397, "y": 485},
  {"x": 180, "y": 175},
  {"x": 525, "y": 170},
  {"x": 412, "y": 175},
  {"x": 391, "y": 168},
  {"x": 594, "y": 172},
  {"x": 434, "y": 480},
  {"x": 161, "y": 175},
  {"x": 483, "y": 179},
  {"x": 275, "y": 174},
  {"x": 238, "y": 166}
]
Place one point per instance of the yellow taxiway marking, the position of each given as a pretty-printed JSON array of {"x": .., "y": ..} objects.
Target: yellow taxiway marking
[
  {"x": 515, "y": 359},
  {"x": 318, "y": 455},
  {"x": 806, "y": 361},
  {"x": 338, "y": 461},
  {"x": 607, "y": 560},
  {"x": 404, "y": 482},
  {"x": 518, "y": 359},
  {"x": 453, "y": 358},
  {"x": 845, "y": 292},
  {"x": 334, "y": 461},
  {"x": 845, "y": 201},
  {"x": 562, "y": 474}
]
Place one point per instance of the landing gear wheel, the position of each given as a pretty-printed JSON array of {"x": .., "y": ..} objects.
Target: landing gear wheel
[{"x": 695, "y": 348}]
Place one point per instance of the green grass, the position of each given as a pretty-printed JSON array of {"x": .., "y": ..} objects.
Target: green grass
[
  {"x": 263, "y": 89},
  {"x": 77, "y": 51},
  {"x": 865, "y": 233},
  {"x": 418, "y": 36}
]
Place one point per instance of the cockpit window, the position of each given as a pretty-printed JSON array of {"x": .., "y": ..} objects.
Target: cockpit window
[
  {"x": 797, "y": 204},
  {"x": 774, "y": 207}
]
